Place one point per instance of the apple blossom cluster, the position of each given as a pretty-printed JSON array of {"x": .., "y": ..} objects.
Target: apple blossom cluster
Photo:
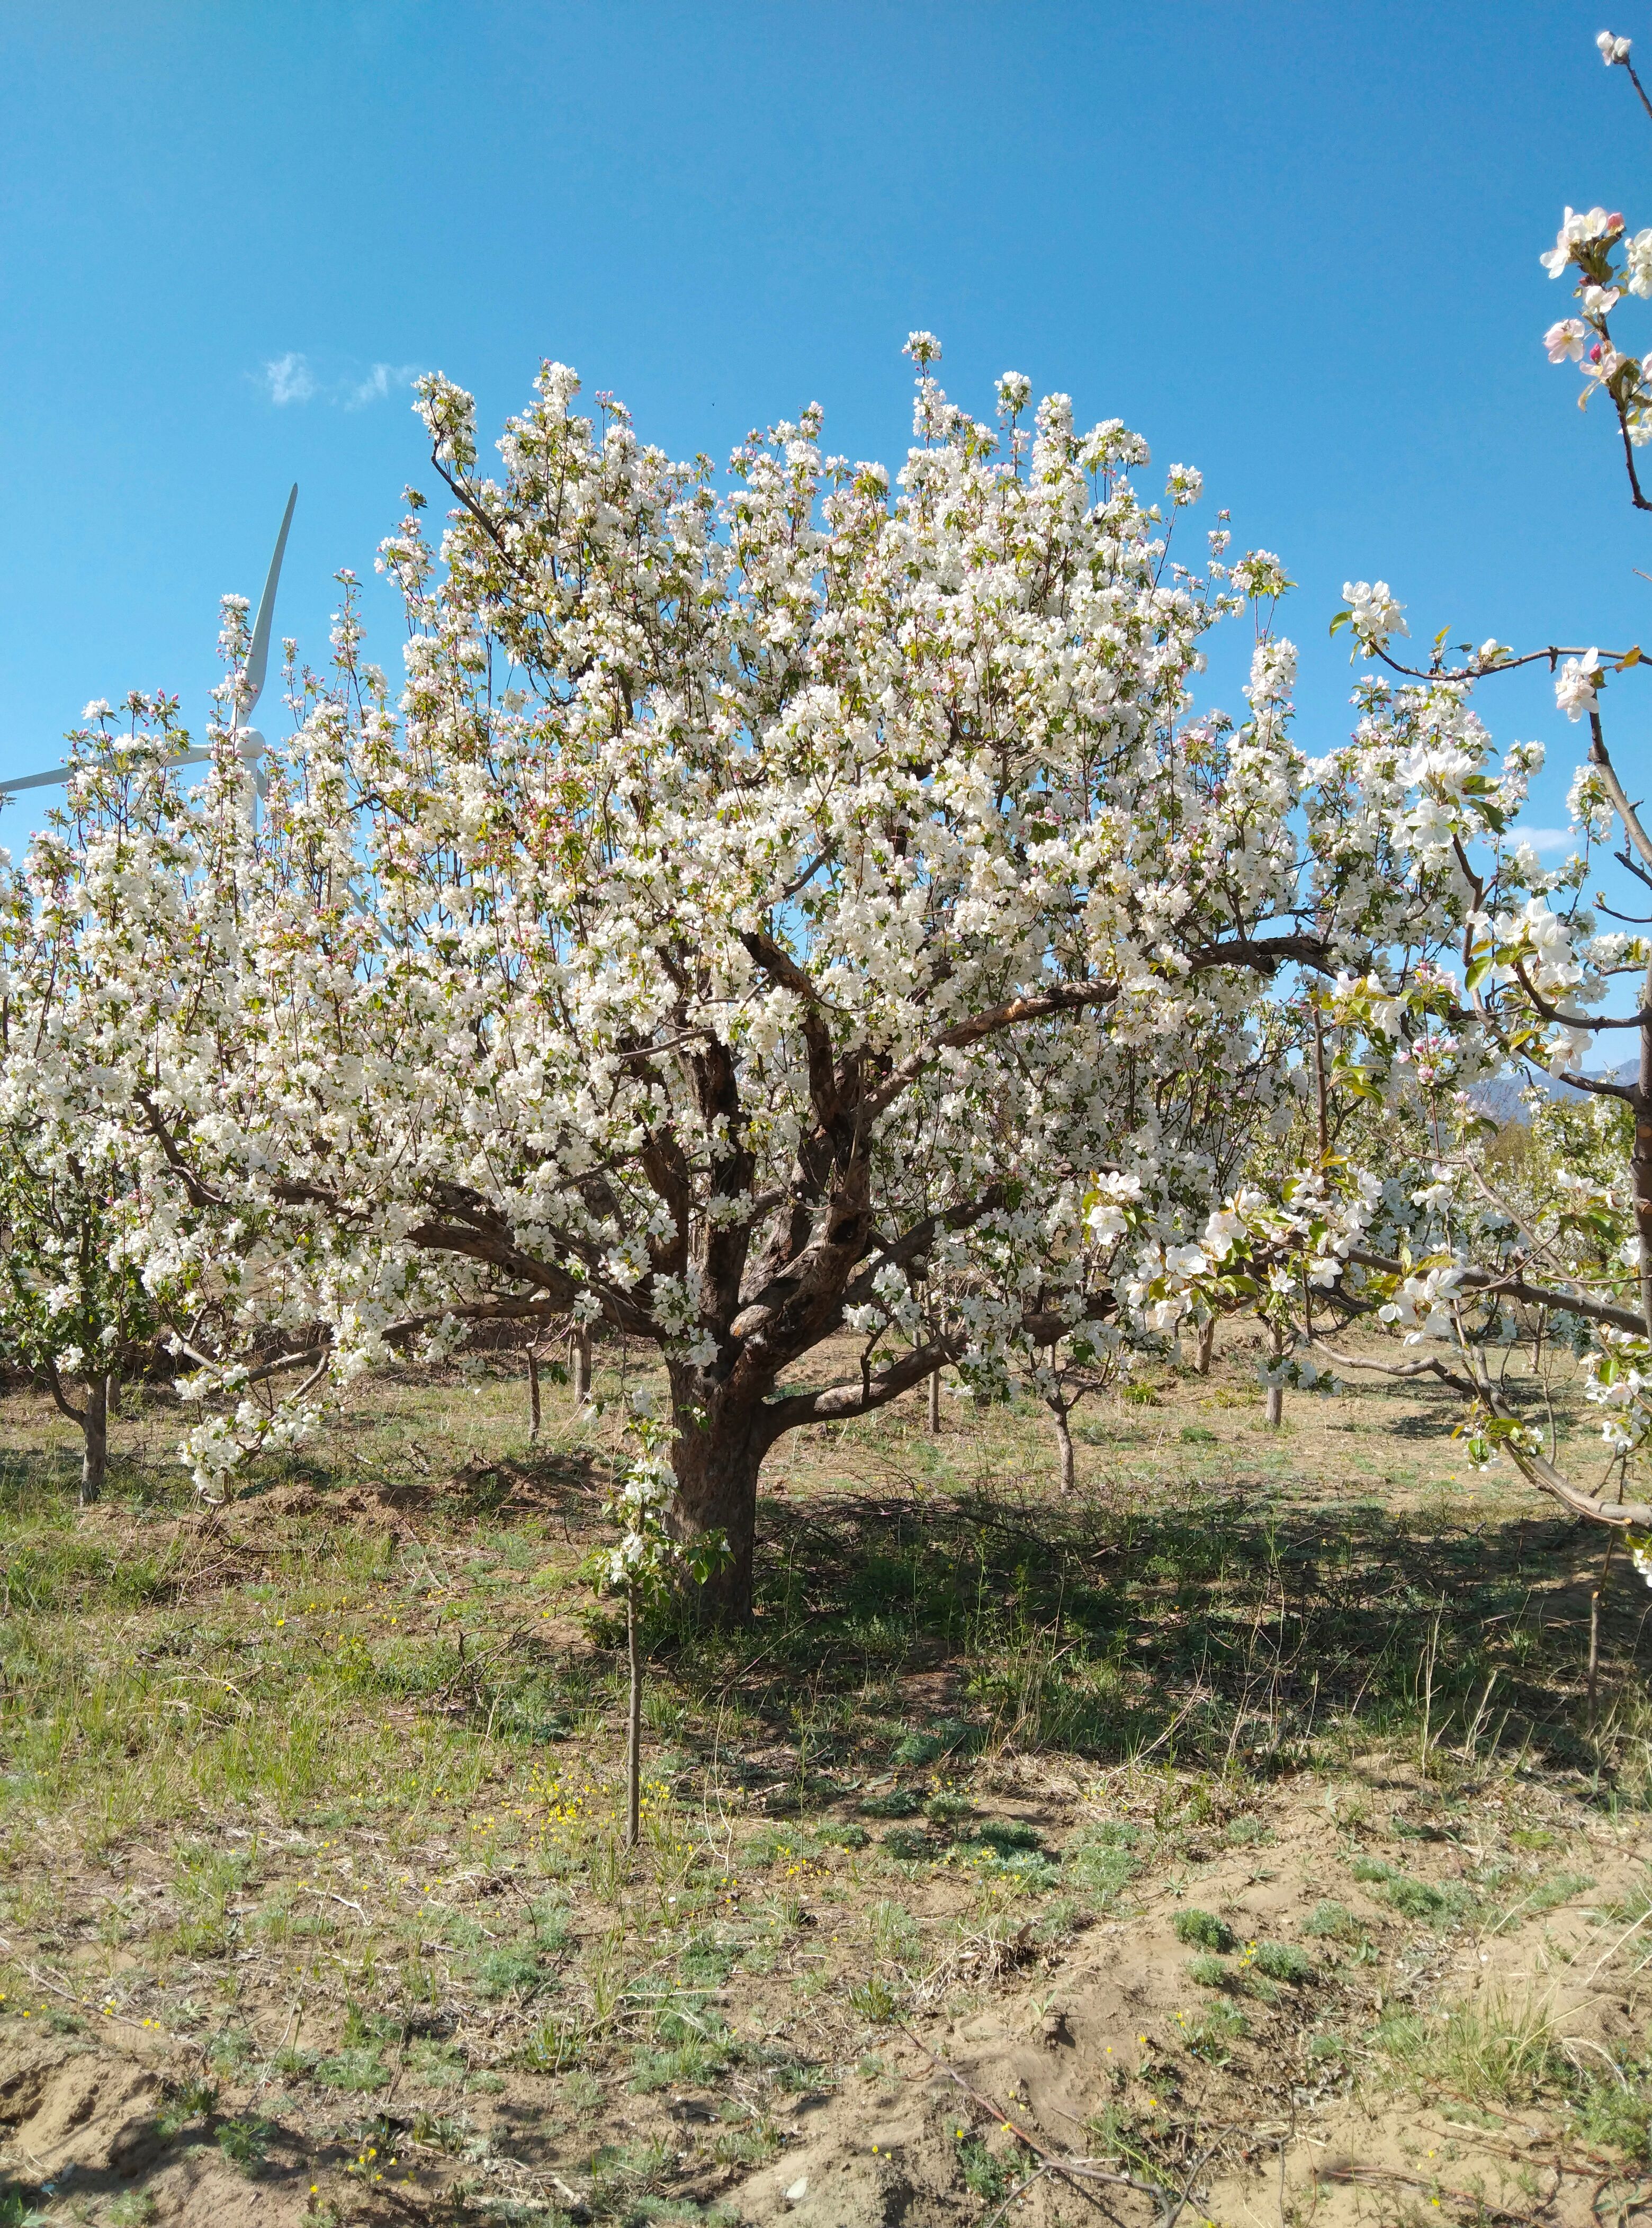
[{"x": 1609, "y": 262}]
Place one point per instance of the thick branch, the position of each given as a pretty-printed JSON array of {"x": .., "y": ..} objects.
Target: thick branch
[
  {"x": 200, "y": 1194},
  {"x": 1620, "y": 1515},
  {"x": 1429, "y": 1366},
  {"x": 861, "y": 1396},
  {"x": 833, "y": 1403},
  {"x": 782, "y": 969},
  {"x": 1036, "y": 1006},
  {"x": 75, "y": 1415},
  {"x": 914, "y": 1244}
]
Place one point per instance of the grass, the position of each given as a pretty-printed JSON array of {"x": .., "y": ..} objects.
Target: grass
[
  {"x": 1498, "y": 2052},
  {"x": 363, "y": 1734}
]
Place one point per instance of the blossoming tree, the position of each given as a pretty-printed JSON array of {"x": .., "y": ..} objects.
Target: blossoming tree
[
  {"x": 76, "y": 1300},
  {"x": 1555, "y": 1241},
  {"x": 779, "y": 923}
]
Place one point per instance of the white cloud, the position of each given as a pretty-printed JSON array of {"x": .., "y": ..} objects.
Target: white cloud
[
  {"x": 384, "y": 380},
  {"x": 1547, "y": 839},
  {"x": 292, "y": 378},
  {"x": 289, "y": 378}
]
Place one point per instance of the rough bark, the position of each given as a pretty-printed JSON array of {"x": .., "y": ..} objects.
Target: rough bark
[
  {"x": 579, "y": 1363},
  {"x": 533, "y": 1393},
  {"x": 716, "y": 1463},
  {"x": 94, "y": 1462},
  {"x": 1207, "y": 1346},
  {"x": 934, "y": 1403}
]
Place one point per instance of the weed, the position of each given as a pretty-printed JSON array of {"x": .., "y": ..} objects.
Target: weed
[
  {"x": 1334, "y": 1922},
  {"x": 690, "y": 2064},
  {"x": 1415, "y": 1898},
  {"x": 1211, "y": 2035},
  {"x": 1372, "y": 1869},
  {"x": 1204, "y": 1929},
  {"x": 920, "y": 1748},
  {"x": 987, "y": 2173},
  {"x": 231, "y": 2052},
  {"x": 893, "y": 1931},
  {"x": 1099, "y": 1863},
  {"x": 244, "y": 2142},
  {"x": 1006, "y": 1836},
  {"x": 184, "y": 2101},
  {"x": 752, "y": 2145},
  {"x": 898, "y": 1803},
  {"x": 556, "y": 2045},
  {"x": 359, "y": 2070},
  {"x": 1550, "y": 1894},
  {"x": 907, "y": 1847},
  {"x": 1412, "y": 1898},
  {"x": 1207, "y": 1972},
  {"x": 1613, "y": 2107},
  {"x": 133, "y": 2208},
  {"x": 510, "y": 1973},
  {"x": 876, "y": 1999},
  {"x": 1243, "y": 1832},
  {"x": 1281, "y": 1961}
]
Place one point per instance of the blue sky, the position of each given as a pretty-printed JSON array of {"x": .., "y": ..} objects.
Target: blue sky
[{"x": 1294, "y": 245}]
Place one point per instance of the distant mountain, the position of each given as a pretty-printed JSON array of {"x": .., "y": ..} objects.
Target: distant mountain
[{"x": 1503, "y": 1099}]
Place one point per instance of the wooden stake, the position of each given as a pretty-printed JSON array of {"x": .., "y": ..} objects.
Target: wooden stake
[{"x": 634, "y": 1728}]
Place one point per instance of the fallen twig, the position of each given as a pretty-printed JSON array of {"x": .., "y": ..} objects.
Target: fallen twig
[{"x": 1076, "y": 2170}]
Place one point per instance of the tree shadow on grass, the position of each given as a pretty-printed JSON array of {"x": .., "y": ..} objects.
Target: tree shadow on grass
[{"x": 1233, "y": 1628}]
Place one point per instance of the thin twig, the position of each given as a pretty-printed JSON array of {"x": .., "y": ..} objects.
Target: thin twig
[{"x": 1077, "y": 2170}]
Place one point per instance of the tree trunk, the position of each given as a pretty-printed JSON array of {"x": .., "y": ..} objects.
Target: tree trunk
[
  {"x": 1207, "y": 1346},
  {"x": 633, "y": 1727},
  {"x": 533, "y": 1392},
  {"x": 95, "y": 1460},
  {"x": 935, "y": 1403},
  {"x": 716, "y": 1463},
  {"x": 1275, "y": 1393},
  {"x": 1063, "y": 1440},
  {"x": 579, "y": 1363}
]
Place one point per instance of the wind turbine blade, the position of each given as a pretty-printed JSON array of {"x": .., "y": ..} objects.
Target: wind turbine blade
[
  {"x": 55, "y": 776},
  {"x": 257, "y": 659},
  {"x": 259, "y": 655},
  {"x": 47, "y": 780}
]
